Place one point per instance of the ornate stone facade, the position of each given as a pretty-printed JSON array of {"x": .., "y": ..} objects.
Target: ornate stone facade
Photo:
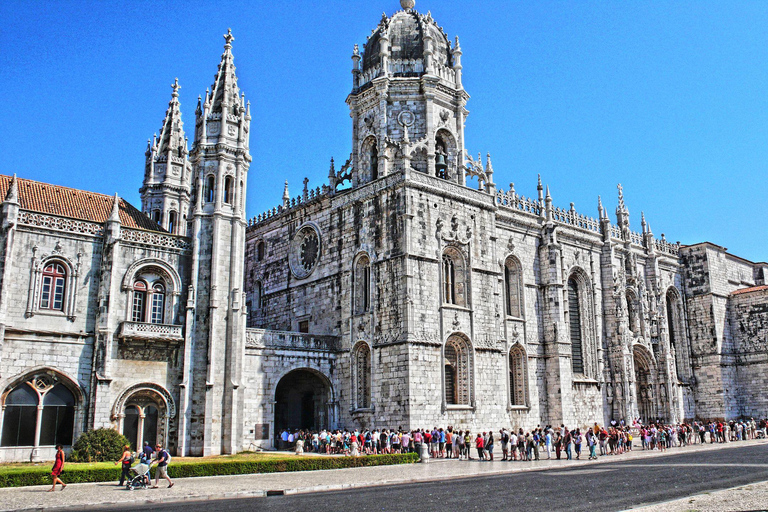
[{"x": 409, "y": 290}]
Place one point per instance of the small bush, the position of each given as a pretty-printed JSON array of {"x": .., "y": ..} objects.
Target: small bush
[
  {"x": 100, "y": 445},
  {"x": 22, "y": 476}
]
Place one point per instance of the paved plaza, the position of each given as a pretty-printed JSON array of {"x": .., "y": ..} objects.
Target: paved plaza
[{"x": 612, "y": 483}]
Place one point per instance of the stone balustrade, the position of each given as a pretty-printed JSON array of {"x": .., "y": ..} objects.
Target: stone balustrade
[
  {"x": 264, "y": 338},
  {"x": 150, "y": 332}
]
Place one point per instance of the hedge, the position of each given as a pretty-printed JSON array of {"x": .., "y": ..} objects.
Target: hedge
[{"x": 22, "y": 476}]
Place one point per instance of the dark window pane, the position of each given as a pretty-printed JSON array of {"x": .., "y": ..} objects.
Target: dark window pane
[
  {"x": 57, "y": 425},
  {"x": 48, "y": 426},
  {"x": 150, "y": 425},
  {"x": 59, "y": 395},
  {"x": 19, "y": 425},
  {"x": 22, "y": 395},
  {"x": 574, "y": 316},
  {"x": 131, "y": 425}
]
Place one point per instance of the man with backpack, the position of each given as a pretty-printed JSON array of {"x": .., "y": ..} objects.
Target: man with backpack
[{"x": 162, "y": 460}]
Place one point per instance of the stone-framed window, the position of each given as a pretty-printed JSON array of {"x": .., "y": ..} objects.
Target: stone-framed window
[
  {"x": 210, "y": 189},
  {"x": 458, "y": 371},
  {"x": 580, "y": 320},
  {"x": 518, "y": 376},
  {"x": 39, "y": 410},
  {"x": 228, "y": 185},
  {"x": 173, "y": 218},
  {"x": 261, "y": 250},
  {"x": 369, "y": 154},
  {"x": 53, "y": 286},
  {"x": 454, "y": 277},
  {"x": 361, "y": 376},
  {"x": 148, "y": 298},
  {"x": 513, "y": 287},
  {"x": 361, "y": 275}
]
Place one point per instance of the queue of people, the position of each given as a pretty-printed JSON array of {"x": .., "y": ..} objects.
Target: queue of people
[{"x": 517, "y": 444}]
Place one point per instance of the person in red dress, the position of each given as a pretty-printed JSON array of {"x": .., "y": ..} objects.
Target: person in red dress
[{"x": 57, "y": 467}]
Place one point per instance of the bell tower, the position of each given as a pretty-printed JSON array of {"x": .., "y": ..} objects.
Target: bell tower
[
  {"x": 165, "y": 194},
  {"x": 407, "y": 102},
  {"x": 220, "y": 159}
]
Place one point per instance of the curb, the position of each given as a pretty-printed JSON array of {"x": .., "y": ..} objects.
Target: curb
[{"x": 382, "y": 483}]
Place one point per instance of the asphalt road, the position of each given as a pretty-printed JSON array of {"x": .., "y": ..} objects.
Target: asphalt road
[{"x": 603, "y": 487}]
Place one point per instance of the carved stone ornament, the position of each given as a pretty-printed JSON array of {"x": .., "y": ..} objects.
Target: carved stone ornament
[
  {"x": 406, "y": 118},
  {"x": 305, "y": 251},
  {"x": 214, "y": 128},
  {"x": 454, "y": 235}
]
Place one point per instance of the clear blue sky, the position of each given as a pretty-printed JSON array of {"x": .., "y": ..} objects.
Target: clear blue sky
[{"x": 668, "y": 98}]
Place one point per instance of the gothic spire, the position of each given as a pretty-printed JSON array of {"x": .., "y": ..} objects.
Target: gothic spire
[
  {"x": 12, "y": 196},
  {"x": 172, "y": 138},
  {"x": 225, "y": 91},
  {"x": 286, "y": 195},
  {"x": 115, "y": 215}
]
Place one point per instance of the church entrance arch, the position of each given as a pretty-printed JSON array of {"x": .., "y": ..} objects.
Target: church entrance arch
[
  {"x": 644, "y": 385},
  {"x": 302, "y": 401}
]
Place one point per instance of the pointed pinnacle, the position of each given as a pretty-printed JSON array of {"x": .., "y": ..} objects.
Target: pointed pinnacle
[
  {"x": 228, "y": 37},
  {"x": 539, "y": 187},
  {"x": 13, "y": 191},
  {"x": 115, "y": 215},
  {"x": 175, "y": 86}
]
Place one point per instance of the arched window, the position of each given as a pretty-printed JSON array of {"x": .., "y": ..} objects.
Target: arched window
[
  {"x": 261, "y": 251},
  {"x": 131, "y": 425},
  {"x": 58, "y": 416},
  {"x": 172, "y": 219},
  {"x": 148, "y": 301},
  {"x": 20, "y": 416},
  {"x": 574, "y": 319},
  {"x": 139, "y": 301},
  {"x": 157, "y": 216},
  {"x": 454, "y": 278},
  {"x": 362, "y": 375},
  {"x": 53, "y": 286},
  {"x": 210, "y": 189},
  {"x": 458, "y": 371},
  {"x": 441, "y": 159},
  {"x": 518, "y": 377},
  {"x": 228, "y": 189},
  {"x": 158, "y": 304},
  {"x": 24, "y": 419},
  {"x": 513, "y": 281},
  {"x": 362, "y": 289},
  {"x": 150, "y": 424},
  {"x": 259, "y": 295}
]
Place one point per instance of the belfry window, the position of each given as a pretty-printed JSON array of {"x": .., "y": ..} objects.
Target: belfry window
[
  {"x": 172, "y": 218},
  {"x": 374, "y": 162},
  {"x": 53, "y": 286},
  {"x": 454, "y": 278},
  {"x": 441, "y": 159},
  {"x": 210, "y": 189},
  {"x": 228, "y": 190}
]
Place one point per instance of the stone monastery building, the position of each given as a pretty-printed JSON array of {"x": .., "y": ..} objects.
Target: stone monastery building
[{"x": 407, "y": 291}]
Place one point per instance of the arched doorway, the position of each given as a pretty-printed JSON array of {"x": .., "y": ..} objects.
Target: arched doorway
[
  {"x": 644, "y": 387},
  {"x": 302, "y": 401},
  {"x": 144, "y": 413}
]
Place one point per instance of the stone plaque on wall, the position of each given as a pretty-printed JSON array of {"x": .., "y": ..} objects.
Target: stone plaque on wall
[{"x": 261, "y": 431}]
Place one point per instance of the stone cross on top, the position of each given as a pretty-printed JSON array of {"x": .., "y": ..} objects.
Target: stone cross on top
[{"x": 228, "y": 37}]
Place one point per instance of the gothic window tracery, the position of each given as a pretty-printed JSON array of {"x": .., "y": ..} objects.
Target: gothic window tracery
[
  {"x": 676, "y": 333},
  {"x": 26, "y": 423},
  {"x": 362, "y": 375},
  {"x": 362, "y": 285},
  {"x": 580, "y": 319},
  {"x": 454, "y": 278},
  {"x": 575, "y": 328},
  {"x": 458, "y": 371},
  {"x": 518, "y": 377},
  {"x": 513, "y": 281}
]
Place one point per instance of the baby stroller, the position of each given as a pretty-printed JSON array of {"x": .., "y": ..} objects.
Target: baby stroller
[{"x": 141, "y": 478}]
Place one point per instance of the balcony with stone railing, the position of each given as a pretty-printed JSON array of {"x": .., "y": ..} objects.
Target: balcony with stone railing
[
  {"x": 265, "y": 338},
  {"x": 150, "y": 332}
]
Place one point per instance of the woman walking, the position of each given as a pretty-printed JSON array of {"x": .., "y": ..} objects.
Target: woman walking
[
  {"x": 58, "y": 466},
  {"x": 125, "y": 461}
]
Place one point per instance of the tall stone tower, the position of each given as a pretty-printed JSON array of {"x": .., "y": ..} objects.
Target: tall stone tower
[
  {"x": 220, "y": 159},
  {"x": 407, "y": 102},
  {"x": 165, "y": 194}
]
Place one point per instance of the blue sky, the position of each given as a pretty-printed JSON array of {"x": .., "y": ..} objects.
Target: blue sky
[{"x": 668, "y": 98}]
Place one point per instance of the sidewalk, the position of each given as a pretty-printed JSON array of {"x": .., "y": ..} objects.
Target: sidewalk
[
  {"x": 257, "y": 485},
  {"x": 736, "y": 499}
]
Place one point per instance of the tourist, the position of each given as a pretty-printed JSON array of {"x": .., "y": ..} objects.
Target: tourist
[
  {"x": 125, "y": 461},
  {"x": 489, "y": 445},
  {"x": 58, "y": 466},
  {"x": 558, "y": 444},
  {"x": 567, "y": 442},
  {"x": 162, "y": 466},
  {"x": 467, "y": 445},
  {"x": 479, "y": 446}
]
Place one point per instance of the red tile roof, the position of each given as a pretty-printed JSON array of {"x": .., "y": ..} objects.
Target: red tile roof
[
  {"x": 751, "y": 289},
  {"x": 72, "y": 203}
]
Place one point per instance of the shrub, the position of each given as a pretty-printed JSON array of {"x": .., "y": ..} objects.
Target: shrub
[
  {"x": 100, "y": 445},
  {"x": 22, "y": 476}
]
